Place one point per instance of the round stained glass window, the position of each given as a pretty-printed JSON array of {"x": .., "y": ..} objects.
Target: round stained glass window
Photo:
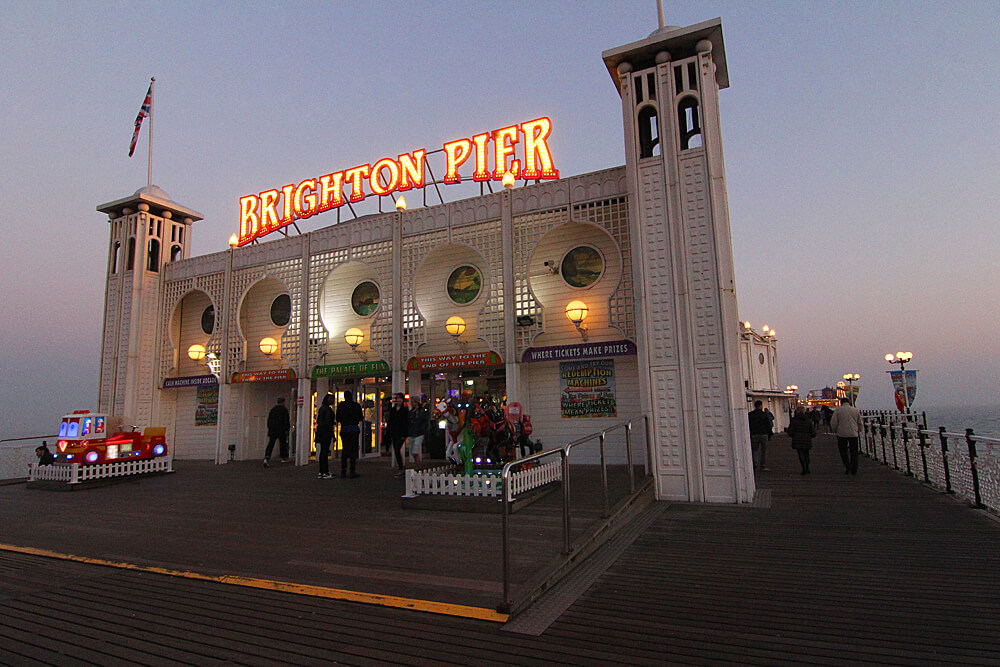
[
  {"x": 365, "y": 298},
  {"x": 281, "y": 310},
  {"x": 582, "y": 266},
  {"x": 464, "y": 284},
  {"x": 208, "y": 320}
]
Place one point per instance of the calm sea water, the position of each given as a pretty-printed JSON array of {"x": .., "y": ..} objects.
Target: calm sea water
[{"x": 983, "y": 419}]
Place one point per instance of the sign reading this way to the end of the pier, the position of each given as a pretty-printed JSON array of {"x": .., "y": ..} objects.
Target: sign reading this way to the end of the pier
[{"x": 270, "y": 210}]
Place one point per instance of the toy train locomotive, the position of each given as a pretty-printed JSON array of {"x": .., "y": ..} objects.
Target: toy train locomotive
[{"x": 90, "y": 438}]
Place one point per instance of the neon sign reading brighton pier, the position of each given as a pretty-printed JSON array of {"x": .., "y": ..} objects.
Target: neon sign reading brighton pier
[{"x": 271, "y": 210}]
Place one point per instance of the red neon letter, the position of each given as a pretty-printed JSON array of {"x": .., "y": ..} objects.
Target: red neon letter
[
  {"x": 356, "y": 176},
  {"x": 482, "y": 172},
  {"x": 411, "y": 167},
  {"x": 249, "y": 222},
  {"x": 456, "y": 152},
  {"x": 286, "y": 218},
  {"x": 502, "y": 149},
  {"x": 268, "y": 216},
  {"x": 375, "y": 181},
  {"x": 331, "y": 187},
  {"x": 536, "y": 150},
  {"x": 310, "y": 199}
]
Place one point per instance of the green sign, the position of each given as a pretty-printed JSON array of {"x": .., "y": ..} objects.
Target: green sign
[{"x": 363, "y": 368}]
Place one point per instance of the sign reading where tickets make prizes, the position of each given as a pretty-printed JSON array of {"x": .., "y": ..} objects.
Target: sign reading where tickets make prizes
[{"x": 587, "y": 388}]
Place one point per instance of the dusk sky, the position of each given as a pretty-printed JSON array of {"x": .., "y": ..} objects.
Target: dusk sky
[{"x": 861, "y": 143}]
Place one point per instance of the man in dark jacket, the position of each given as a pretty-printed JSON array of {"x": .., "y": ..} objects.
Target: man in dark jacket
[
  {"x": 398, "y": 423},
  {"x": 349, "y": 416},
  {"x": 760, "y": 431},
  {"x": 324, "y": 435},
  {"x": 45, "y": 457},
  {"x": 278, "y": 424}
]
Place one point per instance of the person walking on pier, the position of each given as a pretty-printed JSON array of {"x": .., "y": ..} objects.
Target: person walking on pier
[
  {"x": 324, "y": 435},
  {"x": 398, "y": 422},
  {"x": 278, "y": 425},
  {"x": 760, "y": 432},
  {"x": 802, "y": 430},
  {"x": 848, "y": 425},
  {"x": 349, "y": 416}
]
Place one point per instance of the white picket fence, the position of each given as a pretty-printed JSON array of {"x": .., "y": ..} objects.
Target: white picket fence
[
  {"x": 445, "y": 482},
  {"x": 74, "y": 473}
]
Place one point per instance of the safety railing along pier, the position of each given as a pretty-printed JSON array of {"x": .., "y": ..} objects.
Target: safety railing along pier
[
  {"x": 564, "y": 454},
  {"x": 957, "y": 462}
]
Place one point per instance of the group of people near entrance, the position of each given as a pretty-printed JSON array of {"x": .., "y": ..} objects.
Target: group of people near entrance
[
  {"x": 406, "y": 426},
  {"x": 845, "y": 422}
]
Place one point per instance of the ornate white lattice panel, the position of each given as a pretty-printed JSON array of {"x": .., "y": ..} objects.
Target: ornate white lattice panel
[
  {"x": 713, "y": 416},
  {"x": 487, "y": 239},
  {"x": 214, "y": 285},
  {"x": 110, "y": 341},
  {"x": 414, "y": 250},
  {"x": 701, "y": 257},
  {"x": 240, "y": 282},
  {"x": 123, "y": 337},
  {"x": 378, "y": 255},
  {"x": 320, "y": 266},
  {"x": 612, "y": 216},
  {"x": 289, "y": 272},
  {"x": 528, "y": 229},
  {"x": 658, "y": 266}
]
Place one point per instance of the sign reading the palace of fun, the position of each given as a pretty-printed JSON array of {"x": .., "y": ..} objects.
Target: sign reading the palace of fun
[{"x": 270, "y": 210}]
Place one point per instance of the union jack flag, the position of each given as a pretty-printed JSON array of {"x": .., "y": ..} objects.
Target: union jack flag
[{"x": 144, "y": 110}]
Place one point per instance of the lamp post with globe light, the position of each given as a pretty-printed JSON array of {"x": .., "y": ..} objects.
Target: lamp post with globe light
[
  {"x": 851, "y": 379},
  {"x": 902, "y": 358}
]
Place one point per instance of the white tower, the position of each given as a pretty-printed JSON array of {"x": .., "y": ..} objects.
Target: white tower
[
  {"x": 688, "y": 321},
  {"x": 148, "y": 230}
]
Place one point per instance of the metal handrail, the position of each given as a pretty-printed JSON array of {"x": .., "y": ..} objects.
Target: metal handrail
[
  {"x": 563, "y": 452},
  {"x": 967, "y": 480},
  {"x": 30, "y": 437}
]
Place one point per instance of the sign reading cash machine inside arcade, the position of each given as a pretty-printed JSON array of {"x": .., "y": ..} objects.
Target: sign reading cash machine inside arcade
[{"x": 495, "y": 154}]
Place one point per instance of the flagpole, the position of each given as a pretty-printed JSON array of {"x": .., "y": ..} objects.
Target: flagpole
[{"x": 149, "y": 168}]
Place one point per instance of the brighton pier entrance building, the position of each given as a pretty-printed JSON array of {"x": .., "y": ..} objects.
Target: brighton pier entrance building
[{"x": 589, "y": 300}]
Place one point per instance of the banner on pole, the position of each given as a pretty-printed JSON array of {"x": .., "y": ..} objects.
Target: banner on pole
[{"x": 905, "y": 390}]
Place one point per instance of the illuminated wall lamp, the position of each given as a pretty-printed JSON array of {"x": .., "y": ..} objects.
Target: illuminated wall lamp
[
  {"x": 455, "y": 326},
  {"x": 196, "y": 352},
  {"x": 355, "y": 337},
  {"x": 400, "y": 204},
  {"x": 233, "y": 241},
  {"x": 576, "y": 312},
  {"x": 508, "y": 180},
  {"x": 268, "y": 345}
]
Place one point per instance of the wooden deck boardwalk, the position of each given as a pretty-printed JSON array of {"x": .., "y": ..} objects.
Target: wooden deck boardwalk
[{"x": 873, "y": 569}]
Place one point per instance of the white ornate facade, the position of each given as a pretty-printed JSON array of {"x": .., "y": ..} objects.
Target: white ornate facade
[{"x": 664, "y": 291}]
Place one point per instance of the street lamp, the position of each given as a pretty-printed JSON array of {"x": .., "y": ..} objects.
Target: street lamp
[
  {"x": 902, "y": 358},
  {"x": 851, "y": 379},
  {"x": 793, "y": 398}
]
